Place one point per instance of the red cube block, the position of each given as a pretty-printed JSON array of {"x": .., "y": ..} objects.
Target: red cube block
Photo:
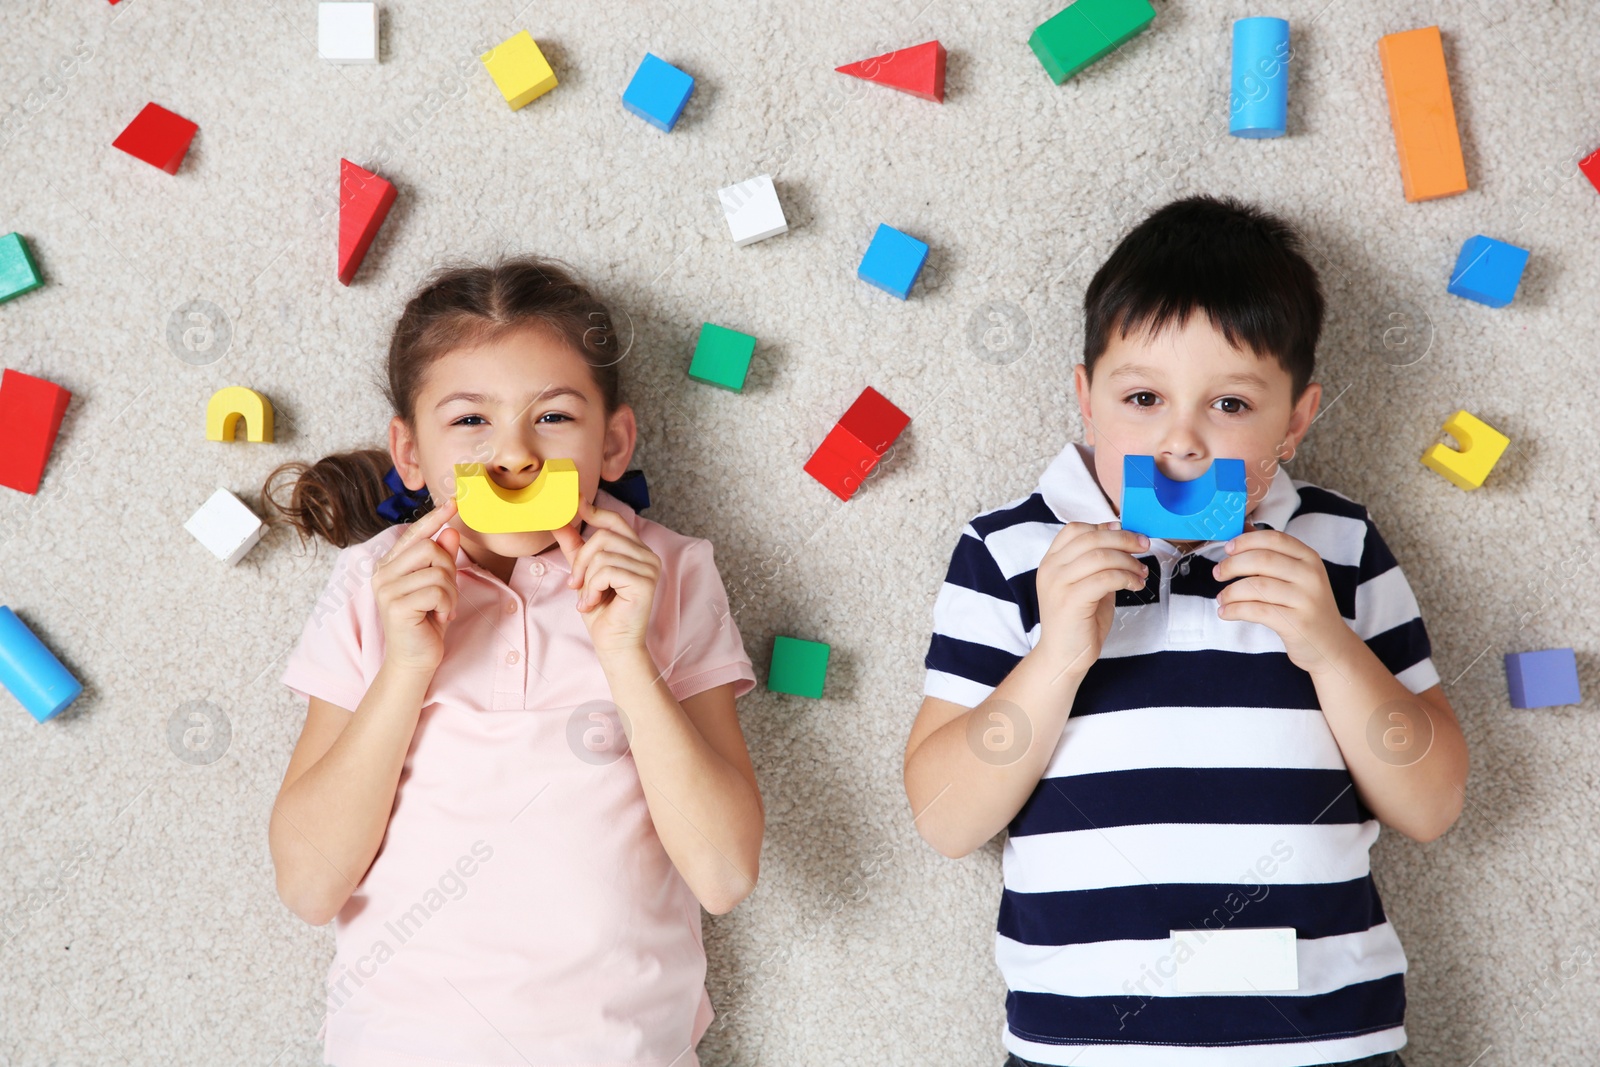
[
  {"x": 30, "y": 416},
  {"x": 874, "y": 421},
  {"x": 157, "y": 136}
]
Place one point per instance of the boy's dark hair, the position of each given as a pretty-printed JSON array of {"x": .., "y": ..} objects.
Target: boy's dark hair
[{"x": 1239, "y": 264}]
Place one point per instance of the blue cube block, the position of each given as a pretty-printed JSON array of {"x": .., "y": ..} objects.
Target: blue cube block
[
  {"x": 893, "y": 261},
  {"x": 1488, "y": 271},
  {"x": 1542, "y": 679},
  {"x": 658, "y": 92},
  {"x": 1208, "y": 508}
]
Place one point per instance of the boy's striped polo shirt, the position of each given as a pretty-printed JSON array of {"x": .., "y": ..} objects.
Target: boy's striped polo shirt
[{"x": 1196, "y": 785}]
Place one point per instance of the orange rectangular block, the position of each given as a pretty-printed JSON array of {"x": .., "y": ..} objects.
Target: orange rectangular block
[{"x": 1423, "y": 114}]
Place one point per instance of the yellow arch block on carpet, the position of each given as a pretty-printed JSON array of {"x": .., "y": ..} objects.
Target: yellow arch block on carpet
[
  {"x": 1481, "y": 448},
  {"x": 227, "y": 406},
  {"x": 549, "y": 502}
]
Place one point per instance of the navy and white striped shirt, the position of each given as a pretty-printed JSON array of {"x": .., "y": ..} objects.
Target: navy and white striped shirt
[{"x": 1196, "y": 785}]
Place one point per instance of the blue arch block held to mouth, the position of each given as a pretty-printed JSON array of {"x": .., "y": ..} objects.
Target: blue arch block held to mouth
[{"x": 1208, "y": 508}]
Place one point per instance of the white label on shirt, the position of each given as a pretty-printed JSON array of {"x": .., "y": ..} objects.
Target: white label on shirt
[{"x": 1258, "y": 960}]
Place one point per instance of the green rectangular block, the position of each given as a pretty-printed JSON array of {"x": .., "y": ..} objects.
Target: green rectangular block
[
  {"x": 18, "y": 273},
  {"x": 1083, "y": 32},
  {"x": 722, "y": 357},
  {"x": 798, "y": 667}
]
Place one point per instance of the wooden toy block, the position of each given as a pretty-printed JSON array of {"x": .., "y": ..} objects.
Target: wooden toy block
[
  {"x": 31, "y": 410},
  {"x": 157, "y": 136},
  {"x": 364, "y": 202},
  {"x": 547, "y": 503},
  {"x": 1084, "y": 32},
  {"x": 918, "y": 70},
  {"x": 799, "y": 668},
  {"x": 1259, "y": 103},
  {"x": 1208, "y": 508},
  {"x": 856, "y": 443},
  {"x": 227, "y": 406},
  {"x": 18, "y": 272},
  {"x": 1545, "y": 679},
  {"x": 1422, "y": 114},
  {"x": 30, "y": 671},
  {"x": 347, "y": 32},
  {"x": 752, "y": 210},
  {"x": 1481, "y": 446},
  {"x": 1590, "y": 165},
  {"x": 226, "y": 526},
  {"x": 1488, "y": 271},
  {"x": 519, "y": 69},
  {"x": 874, "y": 422},
  {"x": 722, "y": 357},
  {"x": 893, "y": 261},
  {"x": 658, "y": 92}
]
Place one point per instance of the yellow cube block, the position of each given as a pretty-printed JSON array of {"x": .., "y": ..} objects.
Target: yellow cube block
[
  {"x": 1481, "y": 448},
  {"x": 519, "y": 69}
]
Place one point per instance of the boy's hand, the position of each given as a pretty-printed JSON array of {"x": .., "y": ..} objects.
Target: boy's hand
[
  {"x": 615, "y": 574},
  {"x": 1077, "y": 586},
  {"x": 1284, "y": 586}
]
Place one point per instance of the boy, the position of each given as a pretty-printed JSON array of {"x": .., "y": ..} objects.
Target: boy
[{"x": 1192, "y": 737}]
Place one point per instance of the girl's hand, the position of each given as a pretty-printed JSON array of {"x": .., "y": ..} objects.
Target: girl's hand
[
  {"x": 1077, "y": 587},
  {"x": 615, "y": 574},
  {"x": 1283, "y": 585},
  {"x": 415, "y": 586}
]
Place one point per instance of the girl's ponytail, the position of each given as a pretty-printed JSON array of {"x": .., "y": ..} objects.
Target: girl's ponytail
[{"x": 337, "y": 498}]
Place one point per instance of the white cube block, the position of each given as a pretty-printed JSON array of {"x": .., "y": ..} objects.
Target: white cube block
[
  {"x": 1236, "y": 960},
  {"x": 226, "y": 526},
  {"x": 753, "y": 210},
  {"x": 347, "y": 33}
]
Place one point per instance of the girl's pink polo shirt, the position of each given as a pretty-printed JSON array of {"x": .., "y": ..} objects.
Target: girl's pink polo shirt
[{"x": 521, "y": 909}]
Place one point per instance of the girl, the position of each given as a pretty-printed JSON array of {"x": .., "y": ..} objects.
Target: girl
[{"x": 521, "y": 773}]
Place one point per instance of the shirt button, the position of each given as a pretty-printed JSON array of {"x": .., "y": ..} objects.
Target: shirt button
[
  {"x": 511, "y": 607},
  {"x": 512, "y": 657},
  {"x": 536, "y": 566}
]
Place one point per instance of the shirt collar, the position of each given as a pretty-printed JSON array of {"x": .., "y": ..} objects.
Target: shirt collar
[
  {"x": 553, "y": 556},
  {"x": 1069, "y": 487}
]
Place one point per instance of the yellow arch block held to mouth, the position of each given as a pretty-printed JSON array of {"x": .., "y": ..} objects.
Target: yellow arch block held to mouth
[{"x": 549, "y": 502}]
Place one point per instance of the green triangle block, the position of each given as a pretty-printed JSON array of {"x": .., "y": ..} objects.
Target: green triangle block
[
  {"x": 798, "y": 667},
  {"x": 1084, "y": 31},
  {"x": 18, "y": 273},
  {"x": 722, "y": 357}
]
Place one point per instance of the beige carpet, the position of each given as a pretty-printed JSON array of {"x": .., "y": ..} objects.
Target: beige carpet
[{"x": 140, "y": 921}]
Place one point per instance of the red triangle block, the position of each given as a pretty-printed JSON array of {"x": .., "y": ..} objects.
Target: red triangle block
[
  {"x": 918, "y": 70},
  {"x": 364, "y": 202},
  {"x": 157, "y": 136},
  {"x": 30, "y": 416}
]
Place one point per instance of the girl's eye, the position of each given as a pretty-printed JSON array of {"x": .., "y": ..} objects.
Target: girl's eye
[
  {"x": 1238, "y": 406},
  {"x": 1142, "y": 399},
  {"x": 462, "y": 421}
]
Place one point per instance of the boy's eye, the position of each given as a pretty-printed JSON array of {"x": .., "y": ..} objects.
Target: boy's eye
[
  {"x": 1142, "y": 399},
  {"x": 1232, "y": 405}
]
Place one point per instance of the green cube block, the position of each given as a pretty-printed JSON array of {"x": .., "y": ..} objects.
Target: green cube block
[
  {"x": 798, "y": 667},
  {"x": 1083, "y": 32},
  {"x": 18, "y": 273},
  {"x": 722, "y": 357}
]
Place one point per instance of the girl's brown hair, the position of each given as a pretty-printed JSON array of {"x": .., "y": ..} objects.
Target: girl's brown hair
[{"x": 337, "y": 497}]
